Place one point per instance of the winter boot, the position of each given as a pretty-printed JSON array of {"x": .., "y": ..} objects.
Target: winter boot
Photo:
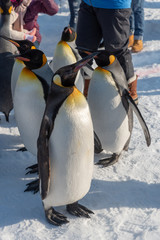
[
  {"x": 131, "y": 40},
  {"x": 132, "y": 85},
  {"x": 137, "y": 46}
]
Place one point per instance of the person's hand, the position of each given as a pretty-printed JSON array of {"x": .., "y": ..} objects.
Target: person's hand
[
  {"x": 32, "y": 32},
  {"x": 30, "y": 37}
]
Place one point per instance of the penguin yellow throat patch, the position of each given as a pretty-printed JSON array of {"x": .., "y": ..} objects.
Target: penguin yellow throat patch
[
  {"x": 101, "y": 73},
  {"x": 76, "y": 97}
]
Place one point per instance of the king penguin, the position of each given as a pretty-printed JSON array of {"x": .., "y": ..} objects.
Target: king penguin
[
  {"x": 112, "y": 108},
  {"x": 30, "y": 96},
  {"x": 65, "y": 146},
  {"x": 6, "y": 65},
  {"x": 22, "y": 47},
  {"x": 65, "y": 55}
]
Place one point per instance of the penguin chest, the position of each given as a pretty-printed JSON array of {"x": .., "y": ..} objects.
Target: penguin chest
[
  {"x": 17, "y": 68},
  {"x": 29, "y": 105},
  {"x": 71, "y": 152},
  {"x": 110, "y": 119},
  {"x": 63, "y": 56}
]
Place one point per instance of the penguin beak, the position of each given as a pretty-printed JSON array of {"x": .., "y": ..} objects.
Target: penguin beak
[
  {"x": 69, "y": 72},
  {"x": 89, "y": 51},
  {"x": 78, "y": 65},
  {"x": 18, "y": 56},
  {"x": 15, "y": 42}
]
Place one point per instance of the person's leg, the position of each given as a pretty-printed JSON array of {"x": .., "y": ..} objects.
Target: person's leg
[
  {"x": 74, "y": 7},
  {"x": 89, "y": 33},
  {"x": 131, "y": 20},
  {"x": 138, "y": 8},
  {"x": 115, "y": 27},
  {"x": 132, "y": 24}
]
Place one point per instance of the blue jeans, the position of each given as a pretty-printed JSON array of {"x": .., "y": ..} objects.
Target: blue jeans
[
  {"x": 74, "y": 7},
  {"x": 137, "y": 19}
]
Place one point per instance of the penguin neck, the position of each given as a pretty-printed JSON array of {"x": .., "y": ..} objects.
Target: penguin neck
[{"x": 5, "y": 19}]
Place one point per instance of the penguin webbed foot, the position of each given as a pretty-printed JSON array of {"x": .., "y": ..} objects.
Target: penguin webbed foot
[
  {"x": 106, "y": 162},
  {"x": 78, "y": 210},
  {"x": 34, "y": 169},
  {"x": 32, "y": 186},
  {"x": 23, "y": 149},
  {"x": 55, "y": 217}
]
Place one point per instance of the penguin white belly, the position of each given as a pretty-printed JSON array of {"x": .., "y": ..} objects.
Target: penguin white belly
[
  {"x": 64, "y": 56},
  {"x": 17, "y": 68},
  {"x": 29, "y": 105},
  {"x": 110, "y": 120},
  {"x": 71, "y": 153}
]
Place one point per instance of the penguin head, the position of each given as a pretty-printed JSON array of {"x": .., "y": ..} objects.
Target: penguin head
[
  {"x": 5, "y": 7},
  {"x": 22, "y": 45},
  {"x": 103, "y": 59},
  {"x": 33, "y": 59},
  {"x": 65, "y": 76},
  {"x": 68, "y": 34}
]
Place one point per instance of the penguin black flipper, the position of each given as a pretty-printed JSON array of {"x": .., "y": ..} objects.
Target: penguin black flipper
[
  {"x": 140, "y": 118},
  {"x": 47, "y": 126},
  {"x": 97, "y": 144}
]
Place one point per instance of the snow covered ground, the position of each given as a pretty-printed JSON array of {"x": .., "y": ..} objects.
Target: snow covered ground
[{"x": 125, "y": 197}]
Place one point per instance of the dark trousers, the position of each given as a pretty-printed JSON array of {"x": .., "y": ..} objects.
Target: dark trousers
[
  {"x": 110, "y": 24},
  {"x": 74, "y": 7}
]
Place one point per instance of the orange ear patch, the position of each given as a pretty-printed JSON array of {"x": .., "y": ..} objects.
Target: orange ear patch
[
  {"x": 1, "y": 10},
  {"x": 10, "y": 9}
]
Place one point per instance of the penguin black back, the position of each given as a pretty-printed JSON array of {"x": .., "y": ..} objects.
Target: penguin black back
[{"x": 6, "y": 65}]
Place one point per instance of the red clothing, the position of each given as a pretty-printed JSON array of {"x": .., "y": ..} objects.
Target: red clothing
[{"x": 38, "y": 6}]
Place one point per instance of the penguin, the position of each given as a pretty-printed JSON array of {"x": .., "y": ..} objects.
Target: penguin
[
  {"x": 22, "y": 46},
  {"x": 65, "y": 147},
  {"x": 6, "y": 65},
  {"x": 30, "y": 96},
  {"x": 65, "y": 55},
  {"x": 112, "y": 108}
]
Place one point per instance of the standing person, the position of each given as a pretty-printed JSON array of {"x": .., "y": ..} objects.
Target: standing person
[
  {"x": 74, "y": 7},
  {"x": 30, "y": 18},
  {"x": 109, "y": 20},
  {"x": 137, "y": 26}
]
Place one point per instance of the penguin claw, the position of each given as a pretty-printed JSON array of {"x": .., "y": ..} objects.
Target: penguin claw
[
  {"x": 32, "y": 186},
  {"x": 79, "y": 210},
  {"x": 106, "y": 162},
  {"x": 34, "y": 169},
  {"x": 23, "y": 149},
  {"x": 55, "y": 217}
]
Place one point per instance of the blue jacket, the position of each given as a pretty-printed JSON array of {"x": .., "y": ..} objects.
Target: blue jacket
[{"x": 109, "y": 4}]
